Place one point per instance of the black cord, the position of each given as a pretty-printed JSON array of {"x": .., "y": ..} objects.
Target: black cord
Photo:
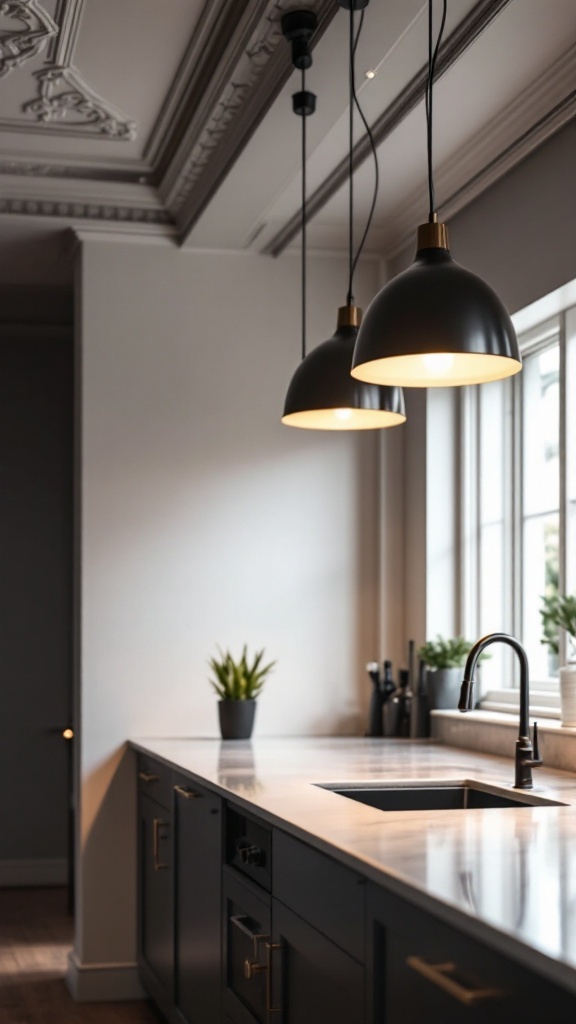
[
  {"x": 374, "y": 154},
  {"x": 303, "y": 221},
  {"x": 432, "y": 58},
  {"x": 350, "y": 296}
]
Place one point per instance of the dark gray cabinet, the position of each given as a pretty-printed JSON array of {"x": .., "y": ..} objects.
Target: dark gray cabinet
[
  {"x": 423, "y": 970},
  {"x": 312, "y": 981},
  {"x": 197, "y": 870},
  {"x": 241, "y": 923},
  {"x": 246, "y": 930},
  {"x": 156, "y": 899},
  {"x": 179, "y": 867}
]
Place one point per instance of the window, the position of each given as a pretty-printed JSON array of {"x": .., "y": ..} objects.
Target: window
[{"x": 518, "y": 510}]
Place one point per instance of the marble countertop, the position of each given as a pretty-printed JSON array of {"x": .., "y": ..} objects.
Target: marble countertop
[{"x": 506, "y": 876}]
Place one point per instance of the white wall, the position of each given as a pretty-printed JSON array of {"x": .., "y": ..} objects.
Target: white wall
[{"x": 204, "y": 522}]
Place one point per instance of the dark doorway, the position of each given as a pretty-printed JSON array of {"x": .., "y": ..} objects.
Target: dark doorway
[{"x": 36, "y": 520}]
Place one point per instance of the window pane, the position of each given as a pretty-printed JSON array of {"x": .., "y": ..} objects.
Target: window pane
[
  {"x": 493, "y": 444},
  {"x": 541, "y": 433},
  {"x": 571, "y": 451},
  {"x": 492, "y": 614},
  {"x": 540, "y": 576}
]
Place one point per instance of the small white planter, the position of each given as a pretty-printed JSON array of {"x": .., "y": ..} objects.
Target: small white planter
[{"x": 568, "y": 694}]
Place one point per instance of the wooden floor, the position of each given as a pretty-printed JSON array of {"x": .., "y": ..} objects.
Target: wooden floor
[{"x": 35, "y": 937}]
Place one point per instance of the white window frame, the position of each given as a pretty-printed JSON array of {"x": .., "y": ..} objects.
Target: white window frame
[{"x": 545, "y": 700}]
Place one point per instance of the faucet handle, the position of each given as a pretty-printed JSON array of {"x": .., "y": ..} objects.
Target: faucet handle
[{"x": 535, "y": 748}]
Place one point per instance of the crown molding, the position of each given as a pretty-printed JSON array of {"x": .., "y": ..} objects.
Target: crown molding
[
  {"x": 253, "y": 68},
  {"x": 540, "y": 111},
  {"x": 77, "y": 210},
  {"x": 161, "y": 234}
]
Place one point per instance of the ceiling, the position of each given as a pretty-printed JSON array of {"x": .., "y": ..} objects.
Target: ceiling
[{"x": 153, "y": 119}]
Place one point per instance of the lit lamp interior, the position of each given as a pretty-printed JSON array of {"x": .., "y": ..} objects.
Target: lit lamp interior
[
  {"x": 437, "y": 369},
  {"x": 343, "y": 419}
]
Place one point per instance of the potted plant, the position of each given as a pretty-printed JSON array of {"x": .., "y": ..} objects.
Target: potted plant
[
  {"x": 444, "y": 660},
  {"x": 559, "y": 612},
  {"x": 238, "y": 683}
]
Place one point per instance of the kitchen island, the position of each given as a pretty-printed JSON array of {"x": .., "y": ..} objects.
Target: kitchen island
[{"x": 503, "y": 877}]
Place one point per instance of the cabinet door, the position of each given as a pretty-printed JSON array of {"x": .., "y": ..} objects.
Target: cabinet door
[
  {"x": 198, "y": 855},
  {"x": 156, "y": 895},
  {"x": 424, "y": 971},
  {"x": 313, "y": 981}
]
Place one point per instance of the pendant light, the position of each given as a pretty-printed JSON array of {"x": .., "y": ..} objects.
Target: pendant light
[
  {"x": 322, "y": 395},
  {"x": 436, "y": 324}
]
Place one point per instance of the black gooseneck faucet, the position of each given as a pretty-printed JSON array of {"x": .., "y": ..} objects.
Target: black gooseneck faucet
[{"x": 527, "y": 757}]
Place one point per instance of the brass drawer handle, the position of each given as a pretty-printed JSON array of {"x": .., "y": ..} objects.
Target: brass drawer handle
[
  {"x": 439, "y": 974},
  {"x": 148, "y": 778},
  {"x": 188, "y": 794},
  {"x": 157, "y": 825}
]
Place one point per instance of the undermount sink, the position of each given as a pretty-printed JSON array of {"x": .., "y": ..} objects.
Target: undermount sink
[{"x": 436, "y": 796}]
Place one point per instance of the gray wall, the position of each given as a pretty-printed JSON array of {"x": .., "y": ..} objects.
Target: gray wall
[{"x": 520, "y": 234}]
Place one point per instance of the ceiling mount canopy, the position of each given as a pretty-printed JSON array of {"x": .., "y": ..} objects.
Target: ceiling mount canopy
[
  {"x": 322, "y": 395},
  {"x": 436, "y": 324}
]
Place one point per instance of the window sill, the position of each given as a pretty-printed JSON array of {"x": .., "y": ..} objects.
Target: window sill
[{"x": 494, "y": 732}]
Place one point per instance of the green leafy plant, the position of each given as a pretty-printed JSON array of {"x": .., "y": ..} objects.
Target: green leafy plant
[
  {"x": 239, "y": 680},
  {"x": 558, "y": 612},
  {"x": 441, "y": 653}
]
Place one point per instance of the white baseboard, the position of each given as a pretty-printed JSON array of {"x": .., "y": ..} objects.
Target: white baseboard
[
  {"x": 15, "y": 874},
  {"x": 102, "y": 982}
]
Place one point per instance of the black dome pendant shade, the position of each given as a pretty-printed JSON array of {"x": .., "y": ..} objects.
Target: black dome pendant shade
[
  {"x": 436, "y": 324},
  {"x": 323, "y": 396}
]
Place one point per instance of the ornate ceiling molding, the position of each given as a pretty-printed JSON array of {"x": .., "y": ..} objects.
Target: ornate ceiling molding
[
  {"x": 65, "y": 98},
  {"x": 19, "y": 45},
  {"x": 251, "y": 70},
  {"x": 64, "y": 101}
]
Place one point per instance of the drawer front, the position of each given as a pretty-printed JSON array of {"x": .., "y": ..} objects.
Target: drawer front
[
  {"x": 432, "y": 972},
  {"x": 328, "y": 895},
  {"x": 246, "y": 932},
  {"x": 155, "y": 780},
  {"x": 249, "y": 847}
]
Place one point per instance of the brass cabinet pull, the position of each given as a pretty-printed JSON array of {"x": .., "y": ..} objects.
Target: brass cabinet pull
[
  {"x": 255, "y": 937},
  {"x": 188, "y": 794},
  {"x": 440, "y": 975},
  {"x": 148, "y": 778},
  {"x": 157, "y": 825},
  {"x": 252, "y": 967},
  {"x": 271, "y": 947}
]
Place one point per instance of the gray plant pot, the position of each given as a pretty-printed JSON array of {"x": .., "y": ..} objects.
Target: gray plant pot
[
  {"x": 236, "y": 718},
  {"x": 444, "y": 687}
]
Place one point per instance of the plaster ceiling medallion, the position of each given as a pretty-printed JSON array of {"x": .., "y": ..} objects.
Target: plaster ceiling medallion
[
  {"x": 17, "y": 45},
  {"x": 66, "y": 99}
]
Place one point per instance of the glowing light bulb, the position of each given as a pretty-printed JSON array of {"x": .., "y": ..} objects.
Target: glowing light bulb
[
  {"x": 370, "y": 73},
  {"x": 342, "y": 414},
  {"x": 438, "y": 362}
]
